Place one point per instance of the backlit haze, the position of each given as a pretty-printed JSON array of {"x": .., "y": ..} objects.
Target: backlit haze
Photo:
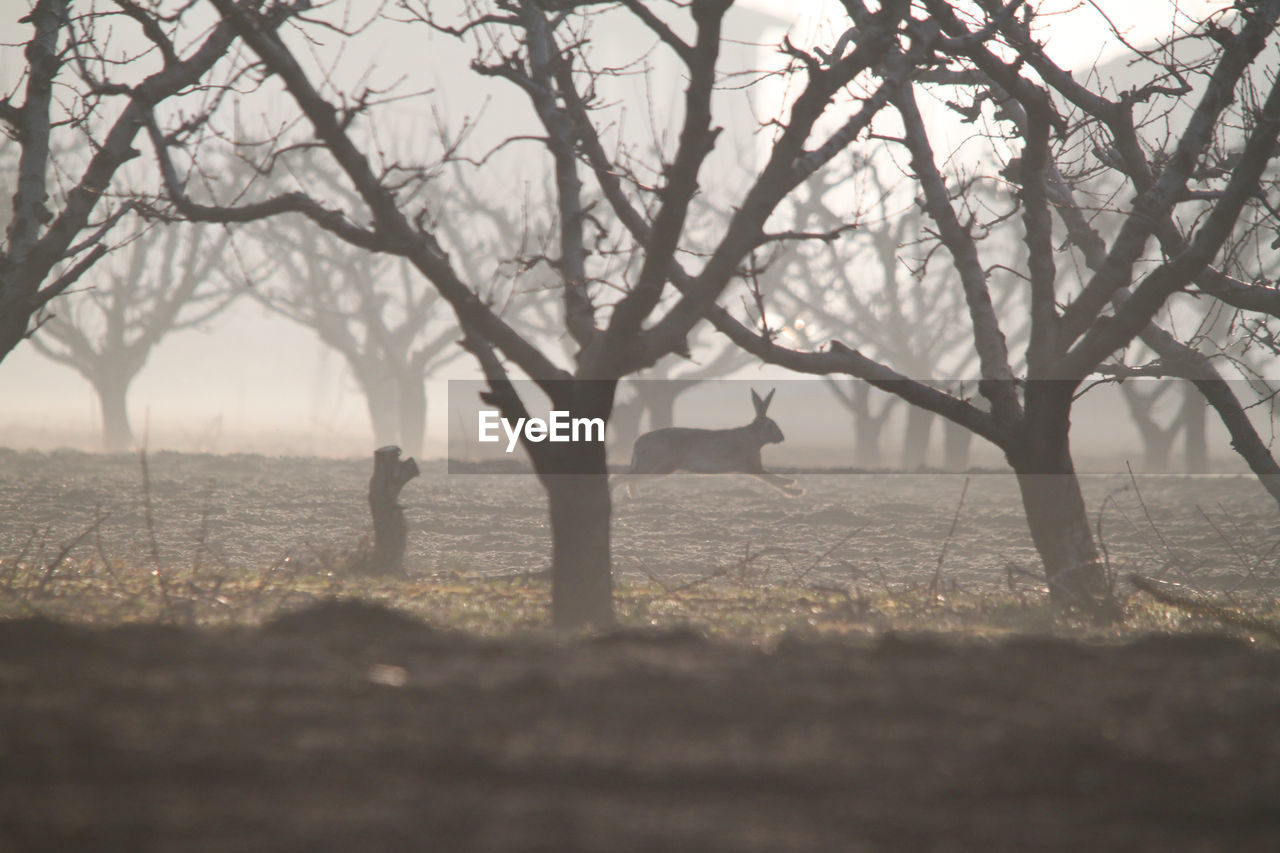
[{"x": 253, "y": 381}]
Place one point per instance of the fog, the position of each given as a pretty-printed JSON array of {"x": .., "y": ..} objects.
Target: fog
[{"x": 249, "y": 380}]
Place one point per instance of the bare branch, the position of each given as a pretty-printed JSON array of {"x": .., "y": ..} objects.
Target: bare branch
[
  {"x": 396, "y": 234},
  {"x": 1177, "y": 273},
  {"x": 680, "y": 183},
  {"x": 993, "y": 355},
  {"x": 687, "y": 53}
]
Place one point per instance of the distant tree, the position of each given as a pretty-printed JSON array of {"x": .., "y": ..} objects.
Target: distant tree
[
  {"x": 164, "y": 280},
  {"x": 1164, "y": 408},
  {"x": 871, "y": 277},
  {"x": 371, "y": 309},
  {"x": 1143, "y": 399},
  {"x": 85, "y": 92},
  {"x": 654, "y": 392},
  {"x": 870, "y": 410}
]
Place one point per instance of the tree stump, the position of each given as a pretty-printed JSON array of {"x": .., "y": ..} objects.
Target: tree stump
[{"x": 390, "y": 533}]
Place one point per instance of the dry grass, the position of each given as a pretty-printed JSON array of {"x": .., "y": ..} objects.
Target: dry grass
[
  {"x": 97, "y": 589},
  {"x": 748, "y": 599}
]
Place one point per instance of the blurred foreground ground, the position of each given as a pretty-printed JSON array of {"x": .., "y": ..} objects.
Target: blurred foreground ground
[{"x": 350, "y": 728}]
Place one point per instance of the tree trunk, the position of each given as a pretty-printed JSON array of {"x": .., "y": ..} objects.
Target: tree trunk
[
  {"x": 113, "y": 393},
  {"x": 1195, "y": 413},
  {"x": 380, "y": 399},
  {"x": 659, "y": 397},
  {"x": 581, "y": 565},
  {"x": 868, "y": 425},
  {"x": 15, "y": 311},
  {"x": 1157, "y": 445},
  {"x": 390, "y": 533},
  {"x": 915, "y": 443},
  {"x": 866, "y": 441},
  {"x": 1054, "y": 505},
  {"x": 576, "y": 478},
  {"x": 1157, "y": 441},
  {"x": 957, "y": 442},
  {"x": 412, "y": 413}
]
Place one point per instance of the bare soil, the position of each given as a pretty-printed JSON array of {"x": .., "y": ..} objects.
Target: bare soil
[
  {"x": 347, "y": 726},
  {"x": 1213, "y": 532}
]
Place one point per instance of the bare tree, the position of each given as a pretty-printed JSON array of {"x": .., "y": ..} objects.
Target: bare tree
[
  {"x": 1166, "y": 409},
  {"x": 868, "y": 274},
  {"x": 84, "y": 84},
  {"x": 869, "y": 413},
  {"x": 618, "y": 327},
  {"x": 166, "y": 279},
  {"x": 372, "y": 311},
  {"x": 1143, "y": 401},
  {"x": 991, "y": 64},
  {"x": 1210, "y": 328}
]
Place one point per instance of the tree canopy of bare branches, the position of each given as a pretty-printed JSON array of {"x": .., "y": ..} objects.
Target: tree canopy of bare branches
[
  {"x": 1053, "y": 135},
  {"x": 1050, "y": 133},
  {"x": 85, "y": 94},
  {"x": 168, "y": 279},
  {"x": 618, "y": 329}
]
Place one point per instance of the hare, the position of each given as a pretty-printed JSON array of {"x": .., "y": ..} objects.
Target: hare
[{"x": 711, "y": 451}]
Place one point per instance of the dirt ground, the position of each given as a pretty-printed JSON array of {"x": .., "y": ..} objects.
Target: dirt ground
[
  {"x": 1217, "y": 532},
  {"x": 351, "y": 727}
]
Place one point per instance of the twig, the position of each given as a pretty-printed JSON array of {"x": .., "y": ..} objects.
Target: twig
[
  {"x": 955, "y": 520},
  {"x": 1174, "y": 562},
  {"x": 52, "y": 568},
  {"x": 202, "y": 535},
  {"x": 1226, "y": 615},
  {"x": 162, "y": 580},
  {"x": 1102, "y": 542},
  {"x": 1244, "y": 563},
  {"x": 827, "y": 553},
  {"x": 148, "y": 517}
]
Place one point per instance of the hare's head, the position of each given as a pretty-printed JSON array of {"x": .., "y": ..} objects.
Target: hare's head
[{"x": 769, "y": 431}]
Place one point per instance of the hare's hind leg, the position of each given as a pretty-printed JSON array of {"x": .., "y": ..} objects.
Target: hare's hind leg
[
  {"x": 622, "y": 478},
  {"x": 627, "y": 479},
  {"x": 786, "y": 485},
  {"x": 647, "y": 466},
  {"x": 633, "y": 480}
]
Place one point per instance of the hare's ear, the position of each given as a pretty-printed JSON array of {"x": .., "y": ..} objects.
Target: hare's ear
[{"x": 762, "y": 406}]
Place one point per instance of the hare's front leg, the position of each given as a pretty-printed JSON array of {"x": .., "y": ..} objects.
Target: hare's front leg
[
  {"x": 787, "y": 485},
  {"x": 629, "y": 480},
  {"x": 633, "y": 479}
]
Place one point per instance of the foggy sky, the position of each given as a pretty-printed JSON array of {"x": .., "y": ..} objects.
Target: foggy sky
[{"x": 255, "y": 381}]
